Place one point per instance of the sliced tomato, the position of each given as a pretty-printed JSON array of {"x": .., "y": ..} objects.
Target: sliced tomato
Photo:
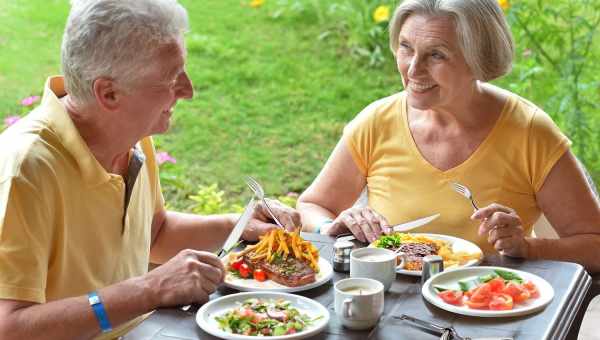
[
  {"x": 482, "y": 293},
  {"x": 453, "y": 297},
  {"x": 532, "y": 288},
  {"x": 237, "y": 264},
  {"x": 244, "y": 270},
  {"x": 496, "y": 285},
  {"x": 478, "y": 304},
  {"x": 517, "y": 291},
  {"x": 501, "y": 301},
  {"x": 260, "y": 275}
]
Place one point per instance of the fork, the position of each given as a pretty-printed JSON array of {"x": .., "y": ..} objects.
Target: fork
[
  {"x": 464, "y": 191},
  {"x": 260, "y": 194}
]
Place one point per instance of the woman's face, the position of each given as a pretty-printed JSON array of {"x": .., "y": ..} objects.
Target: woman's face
[{"x": 434, "y": 72}]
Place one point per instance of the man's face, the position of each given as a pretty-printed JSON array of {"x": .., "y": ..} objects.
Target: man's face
[{"x": 148, "y": 106}]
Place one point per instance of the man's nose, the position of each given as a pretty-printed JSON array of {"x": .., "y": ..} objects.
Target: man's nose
[{"x": 185, "y": 89}]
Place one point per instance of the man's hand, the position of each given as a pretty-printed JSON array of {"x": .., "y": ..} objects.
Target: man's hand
[
  {"x": 189, "y": 277},
  {"x": 504, "y": 229},
  {"x": 262, "y": 222},
  {"x": 364, "y": 223}
]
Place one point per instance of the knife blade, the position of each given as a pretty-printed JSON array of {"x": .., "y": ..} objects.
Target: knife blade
[
  {"x": 237, "y": 231},
  {"x": 399, "y": 227},
  {"x": 413, "y": 224}
]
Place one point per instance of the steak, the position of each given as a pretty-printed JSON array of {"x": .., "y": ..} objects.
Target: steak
[
  {"x": 415, "y": 252},
  {"x": 288, "y": 271}
]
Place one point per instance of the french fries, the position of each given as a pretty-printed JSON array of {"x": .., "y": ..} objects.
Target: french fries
[{"x": 283, "y": 243}]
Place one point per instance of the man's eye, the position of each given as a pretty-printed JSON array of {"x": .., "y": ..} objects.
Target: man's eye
[{"x": 438, "y": 56}]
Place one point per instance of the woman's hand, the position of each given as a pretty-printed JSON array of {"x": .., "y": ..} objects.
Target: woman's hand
[
  {"x": 504, "y": 229},
  {"x": 262, "y": 222},
  {"x": 363, "y": 222}
]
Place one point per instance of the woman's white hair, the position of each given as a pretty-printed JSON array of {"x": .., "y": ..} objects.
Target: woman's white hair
[
  {"x": 483, "y": 33},
  {"x": 115, "y": 39}
]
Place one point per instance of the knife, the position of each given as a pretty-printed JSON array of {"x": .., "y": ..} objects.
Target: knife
[
  {"x": 413, "y": 224},
  {"x": 399, "y": 227},
  {"x": 237, "y": 231}
]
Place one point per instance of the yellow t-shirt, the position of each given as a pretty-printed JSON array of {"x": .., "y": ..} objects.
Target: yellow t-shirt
[
  {"x": 62, "y": 229},
  {"x": 509, "y": 167}
]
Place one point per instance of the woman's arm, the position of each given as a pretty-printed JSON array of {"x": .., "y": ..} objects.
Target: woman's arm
[
  {"x": 331, "y": 196},
  {"x": 569, "y": 203}
]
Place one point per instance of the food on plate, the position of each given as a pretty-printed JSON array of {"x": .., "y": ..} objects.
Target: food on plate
[
  {"x": 258, "y": 317},
  {"x": 418, "y": 246},
  {"x": 499, "y": 290},
  {"x": 281, "y": 256}
]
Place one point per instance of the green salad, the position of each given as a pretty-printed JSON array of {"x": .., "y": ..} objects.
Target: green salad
[{"x": 264, "y": 318}]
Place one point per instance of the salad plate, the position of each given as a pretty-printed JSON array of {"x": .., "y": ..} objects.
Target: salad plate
[
  {"x": 217, "y": 316},
  {"x": 456, "y": 253},
  {"x": 250, "y": 285},
  {"x": 456, "y": 280}
]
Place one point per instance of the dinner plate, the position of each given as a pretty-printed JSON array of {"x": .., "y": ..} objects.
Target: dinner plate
[
  {"x": 450, "y": 279},
  {"x": 458, "y": 244},
  {"x": 205, "y": 317},
  {"x": 250, "y": 285}
]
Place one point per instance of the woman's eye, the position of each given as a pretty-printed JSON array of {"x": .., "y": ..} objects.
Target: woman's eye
[{"x": 438, "y": 56}]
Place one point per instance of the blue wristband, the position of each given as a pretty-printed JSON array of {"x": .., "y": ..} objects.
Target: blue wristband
[
  {"x": 100, "y": 312},
  {"x": 322, "y": 224}
]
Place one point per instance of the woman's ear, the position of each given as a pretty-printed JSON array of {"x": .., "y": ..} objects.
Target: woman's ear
[{"x": 106, "y": 93}]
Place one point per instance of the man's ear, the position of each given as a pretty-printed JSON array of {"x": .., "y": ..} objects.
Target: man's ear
[{"x": 107, "y": 94}]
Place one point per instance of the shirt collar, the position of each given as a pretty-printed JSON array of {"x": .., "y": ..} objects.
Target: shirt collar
[{"x": 60, "y": 122}]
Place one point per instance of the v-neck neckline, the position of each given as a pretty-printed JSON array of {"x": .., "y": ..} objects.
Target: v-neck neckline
[{"x": 473, "y": 157}]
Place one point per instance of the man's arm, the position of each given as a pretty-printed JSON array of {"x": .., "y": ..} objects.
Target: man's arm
[
  {"x": 73, "y": 318},
  {"x": 174, "y": 231},
  {"x": 191, "y": 276}
]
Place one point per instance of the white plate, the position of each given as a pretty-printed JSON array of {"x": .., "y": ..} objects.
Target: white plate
[
  {"x": 250, "y": 285},
  {"x": 205, "y": 318},
  {"x": 452, "y": 277},
  {"x": 458, "y": 244}
]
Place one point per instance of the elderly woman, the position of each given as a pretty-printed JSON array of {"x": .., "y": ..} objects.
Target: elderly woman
[{"x": 451, "y": 125}]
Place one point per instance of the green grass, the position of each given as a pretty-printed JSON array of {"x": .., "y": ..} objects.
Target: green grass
[{"x": 271, "y": 99}]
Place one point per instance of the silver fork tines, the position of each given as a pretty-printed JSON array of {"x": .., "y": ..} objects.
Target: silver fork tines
[
  {"x": 260, "y": 194},
  {"x": 464, "y": 191}
]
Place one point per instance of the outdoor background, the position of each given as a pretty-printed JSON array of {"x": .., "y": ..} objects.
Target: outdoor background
[{"x": 277, "y": 80}]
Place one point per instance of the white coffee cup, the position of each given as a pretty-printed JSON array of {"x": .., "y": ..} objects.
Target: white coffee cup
[
  {"x": 375, "y": 263},
  {"x": 358, "y": 302}
]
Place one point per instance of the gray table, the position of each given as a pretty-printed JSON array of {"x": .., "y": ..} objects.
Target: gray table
[{"x": 570, "y": 282}]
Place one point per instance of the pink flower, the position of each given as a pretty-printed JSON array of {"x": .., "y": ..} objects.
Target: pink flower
[
  {"x": 29, "y": 100},
  {"x": 10, "y": 120},
  {"x": 163, "y": 157}
]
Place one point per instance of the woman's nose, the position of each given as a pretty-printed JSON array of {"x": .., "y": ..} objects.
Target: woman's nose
[{"x": 414, "y": 66}]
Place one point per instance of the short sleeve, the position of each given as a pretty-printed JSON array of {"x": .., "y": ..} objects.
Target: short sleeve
[
  {"x": 546, "y": 145},
  {"x": 25, "y": 241},
  {"x": 359, "y": 137}
]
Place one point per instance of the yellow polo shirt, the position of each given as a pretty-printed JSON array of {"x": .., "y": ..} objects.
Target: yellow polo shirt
[
  {"x": 63, "y": 231},
  {"x": 509, "y": 167}
]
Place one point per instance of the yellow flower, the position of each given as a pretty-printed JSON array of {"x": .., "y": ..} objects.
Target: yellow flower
[
  {"x": 381, "y": 13},
  {"x": 256, "y": 3},
  {"x": 504, "y": 4}
]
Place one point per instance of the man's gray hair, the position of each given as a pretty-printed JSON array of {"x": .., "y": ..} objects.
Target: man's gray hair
[
  {"x": 115, "y": 39},
  {"x": 483, "y": 33}
]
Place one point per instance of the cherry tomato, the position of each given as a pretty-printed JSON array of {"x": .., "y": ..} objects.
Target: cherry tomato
[
  {"x": 452, "y": 297},
  {"x": 237, "y": 264},
  {"x": 244, "y": 270},
  {"x": 501, "y": 302},
  {"x": 533, "y": 291},
  {"x": 259, "y": 275}
]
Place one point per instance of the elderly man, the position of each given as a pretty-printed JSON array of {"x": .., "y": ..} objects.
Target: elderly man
[{"x": 81, "y": 211}]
